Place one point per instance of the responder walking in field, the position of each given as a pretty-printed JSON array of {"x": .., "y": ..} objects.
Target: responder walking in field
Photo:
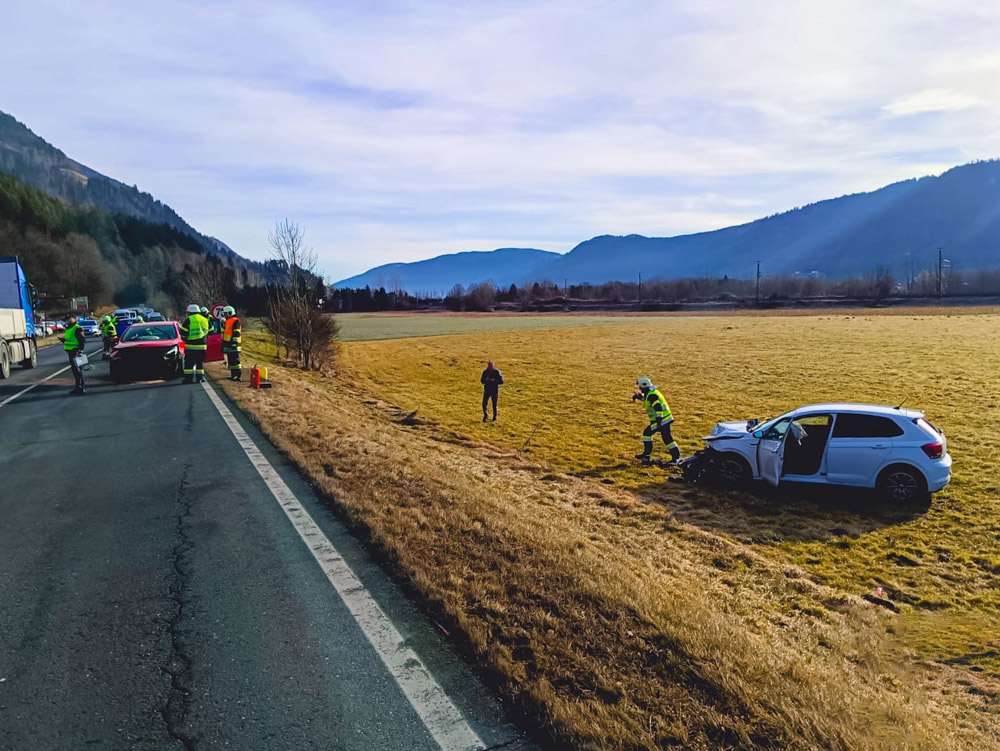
[
  {"x": 231, "y": 341},
  {"x": 109, "y": 334},
  {"x": 74, "y": 340},
  {"x": 194, "y": 330},
  {"x": 660, "y": 419},
  {"x": 492, "y": 380}
]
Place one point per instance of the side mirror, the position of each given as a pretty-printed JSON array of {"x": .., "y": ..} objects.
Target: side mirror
[{"x": 758, "y": 434}]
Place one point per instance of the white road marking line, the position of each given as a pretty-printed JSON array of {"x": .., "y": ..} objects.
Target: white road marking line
[
  {"x": 25, "y": 390},
  {"x": 440, "y": 716}
]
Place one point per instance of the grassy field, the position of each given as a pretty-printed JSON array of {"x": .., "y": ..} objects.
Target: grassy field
[
  {"x": 567, "y": 568},
  {"x": 378, "y": 326}
]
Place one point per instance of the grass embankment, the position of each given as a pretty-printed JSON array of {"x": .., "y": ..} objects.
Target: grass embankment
[
  {"x": 631, "y": 614},
  {"x": 47, "y": 341}
]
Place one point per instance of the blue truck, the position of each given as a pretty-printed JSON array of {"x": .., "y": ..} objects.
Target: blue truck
[{"x": 17, "y": 318}]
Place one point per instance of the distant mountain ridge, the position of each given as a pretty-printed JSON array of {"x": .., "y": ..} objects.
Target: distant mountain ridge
[
  {"x": 36, "y": 162},
  {"x": 893, "y": 227},
  {"x": 850, "y": 235},
  {"x": 436, "y": 276}
]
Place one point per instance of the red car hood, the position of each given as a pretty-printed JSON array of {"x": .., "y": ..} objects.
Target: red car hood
[{"x": 148, "y": 344}]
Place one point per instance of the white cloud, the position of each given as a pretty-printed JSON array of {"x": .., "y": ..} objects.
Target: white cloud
[{"x": 931, "y": 100}]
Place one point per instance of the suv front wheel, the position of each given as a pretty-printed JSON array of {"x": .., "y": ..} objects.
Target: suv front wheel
[
  {"x": 732, "y": 470},
  {"x": 902, "y": 486}
]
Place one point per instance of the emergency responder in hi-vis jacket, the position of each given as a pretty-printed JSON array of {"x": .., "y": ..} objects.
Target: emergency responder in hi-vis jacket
[
  {"x": 232, "y": 341},
  {"x": 74, "y": 340},
  {"x": 194, "y": 331},
  {"x": 660, "y": 419},
  {"x": 108, "y": 333}
]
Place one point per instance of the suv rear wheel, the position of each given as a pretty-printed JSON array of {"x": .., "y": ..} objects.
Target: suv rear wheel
[{"x": 902, "y": 486}]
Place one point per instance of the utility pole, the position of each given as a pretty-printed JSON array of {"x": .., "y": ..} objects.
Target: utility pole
[
  {"x": 758, "y": 282},
  {"x": 640, "y": 288},
  {"x": 940, "y": 273}
]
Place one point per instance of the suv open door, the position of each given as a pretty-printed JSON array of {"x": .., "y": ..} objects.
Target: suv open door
[{"x": 771, "y": 451}]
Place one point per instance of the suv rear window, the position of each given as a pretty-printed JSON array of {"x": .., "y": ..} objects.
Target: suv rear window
[
  {"x": 928, "y": 427},
  {"x": 865, "y": 426}
]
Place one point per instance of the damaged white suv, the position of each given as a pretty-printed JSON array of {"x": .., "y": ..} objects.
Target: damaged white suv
[{"x": 894, "y": 450}]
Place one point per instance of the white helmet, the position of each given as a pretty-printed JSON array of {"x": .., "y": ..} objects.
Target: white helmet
[
  {"x": 192, "y": 308},
  {"x": 644, "y": 382},
  {"x": 229, "y": 310}
]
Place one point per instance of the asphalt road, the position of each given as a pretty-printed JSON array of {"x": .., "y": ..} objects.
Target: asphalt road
[{"x": 155, "y": 595}]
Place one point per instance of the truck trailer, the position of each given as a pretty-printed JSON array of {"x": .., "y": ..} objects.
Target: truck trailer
[{"x": 17, "y": 318}]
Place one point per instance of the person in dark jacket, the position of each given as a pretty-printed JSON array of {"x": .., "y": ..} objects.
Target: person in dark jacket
[
  {"x": 74, "y": 340},
  {"x": 492, "y": 380}
]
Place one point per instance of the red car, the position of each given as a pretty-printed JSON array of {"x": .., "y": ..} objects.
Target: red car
[
  {"x": 148, "y": 350},
  {"x": 155, "y": 350}
]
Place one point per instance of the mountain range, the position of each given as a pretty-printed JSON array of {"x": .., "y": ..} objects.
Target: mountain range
[
  {"x": 35, "y": 161},
  {"x": 901, "y": 224},
  {"x": 436, "y": 276}
]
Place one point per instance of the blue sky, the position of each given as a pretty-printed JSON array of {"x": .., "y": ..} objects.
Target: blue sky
[{"x": 401, "y": 130}]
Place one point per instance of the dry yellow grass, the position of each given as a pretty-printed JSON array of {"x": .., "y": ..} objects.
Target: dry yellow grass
[
  {"x": 566, "y": 404},
  {"x": 638, "y": 614}
]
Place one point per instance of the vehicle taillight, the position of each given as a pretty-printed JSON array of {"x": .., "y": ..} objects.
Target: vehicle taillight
[{"x": 933, "y": 450}]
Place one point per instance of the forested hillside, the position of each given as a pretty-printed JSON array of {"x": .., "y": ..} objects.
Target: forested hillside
[
  {"x": 70, "y": 251},
  {"x": 34, "y": 160}
]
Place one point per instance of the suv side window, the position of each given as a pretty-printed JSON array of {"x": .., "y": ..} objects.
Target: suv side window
[{"x": 865, "y": 426}]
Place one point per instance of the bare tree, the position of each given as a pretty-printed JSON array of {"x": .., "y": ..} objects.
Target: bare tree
[
  {"x": 882, "y": 283},
  {"x": 482, "y": 296},
  {"x": 294, "y": 316},
  {"x": 209, "y": 282},
  {"x": 455, "y": 300}
]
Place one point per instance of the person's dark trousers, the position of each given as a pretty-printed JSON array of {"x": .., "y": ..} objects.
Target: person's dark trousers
[
  {"x": 194, "y": 365},
  {"x": 77, "y": 371},
  {"x": 233, "y": 360},
  {"x": 490, "y": 396},
  {"x": 668, "y": 440}
]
